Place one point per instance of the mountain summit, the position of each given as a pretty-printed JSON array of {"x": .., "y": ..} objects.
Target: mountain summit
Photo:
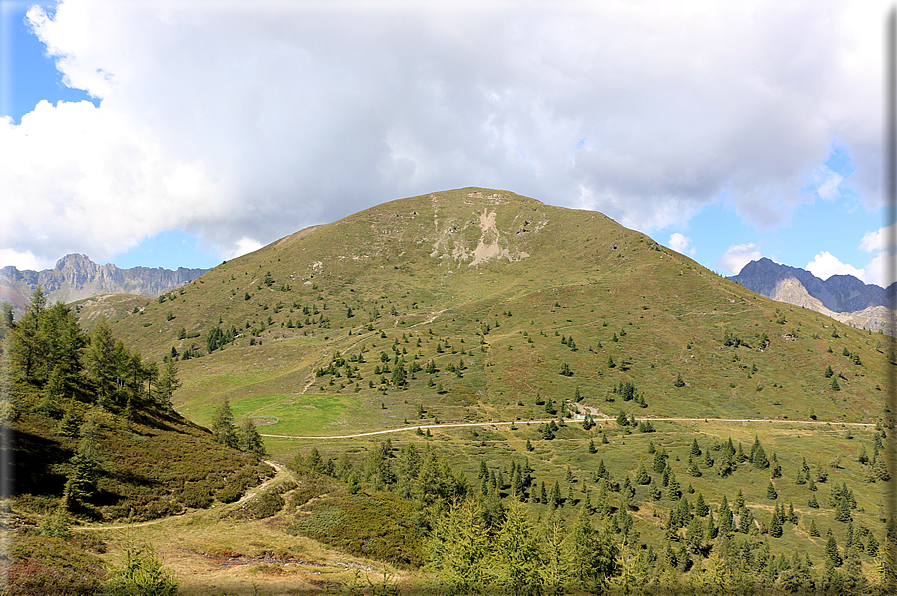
[
  {"x": 842, "y": 297},
  {"x": 75, "y": 277}
]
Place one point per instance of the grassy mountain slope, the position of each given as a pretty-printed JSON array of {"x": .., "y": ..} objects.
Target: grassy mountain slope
[
  {"x": 500, "y": 308},
  {"x": 130, "y": 483},
  {"x": 420, "y": 268}
]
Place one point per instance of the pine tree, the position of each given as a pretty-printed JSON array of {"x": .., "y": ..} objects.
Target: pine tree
[
  {"x": 516, "y": 552},
  {"x": 555, "y": 496},
  {"x": 831, "y": 550},
  {"x": 249, "y": 439},
  {"x": 641, "y": 475},
  {"x": 674, "y": 491},
  {"x": 812, "y": 529},
  {"x": 53, "y": 391},
  {"x": 775, "y": 525},
  {"x": 775, "y": 468},
  {"x": 459, "y": 547},
  {"x": 68, "y": 426},
  {"x": 695, "y": 448},
  {"x": 842, "y": 509},
  {"x": 593, "y": 557},
  {"x": 701, "y": 508},
  {"x": 771, "y": 493},
  {"x": 223, "y": 425},
  {"x": 81, "y": 481},
  {"x": 592, "y": 448},
  {"x": 168, "y": 383},
  {"x": 758, "y": 458}
]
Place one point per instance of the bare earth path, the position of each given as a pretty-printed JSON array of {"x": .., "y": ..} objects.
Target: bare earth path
[
  {"x": 282, "y": 473},
  {"x": 547, "y": 420}
]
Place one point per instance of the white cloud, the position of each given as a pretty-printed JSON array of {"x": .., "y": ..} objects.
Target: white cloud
[
  {"x": 826, "y": 183},
  {"x": 876, "y": 271},
  {"x": 737, "y": 256},
  {"x": 242, "y": 247},
  {"x": 235, "y": 120},
  {"x": 23, "y": 260},
  {"x": 681, "y": 243},
  {"x": 877, "y": 241},
  {"x": 824, "y": 265}
]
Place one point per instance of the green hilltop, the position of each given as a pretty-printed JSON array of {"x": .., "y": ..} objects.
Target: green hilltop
[{"x": 518, "y": 289}]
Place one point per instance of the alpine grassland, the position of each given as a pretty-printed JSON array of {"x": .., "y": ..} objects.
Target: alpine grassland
[{"x": 471, "y": 391}]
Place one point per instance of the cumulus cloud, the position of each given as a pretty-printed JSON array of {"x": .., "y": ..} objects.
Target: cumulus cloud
[
  {"x": 824, "y": 265},
  {"x": 252, "y": 120},
  {"x": 241, "y": 247},
  {"x": 24, "y": 260},
  {"x": 681, "y": 243},
  {"x": 737, "y": 256},
  {"x": 878, "y": 240}
]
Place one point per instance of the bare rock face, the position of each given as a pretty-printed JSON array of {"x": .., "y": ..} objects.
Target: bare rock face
[
  {"x": 842, "y": 297},
  {"x": 76, "y": 277}
]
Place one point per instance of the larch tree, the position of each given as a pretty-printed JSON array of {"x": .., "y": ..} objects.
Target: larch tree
[{"x": 223, "y": 425}]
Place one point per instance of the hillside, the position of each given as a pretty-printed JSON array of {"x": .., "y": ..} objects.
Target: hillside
[
  {"x": 429, "y": 272},
  {"x": 76, "y": 277},
  {"x": 841, "y": 297},
  {"x": 553, "y": 358}
]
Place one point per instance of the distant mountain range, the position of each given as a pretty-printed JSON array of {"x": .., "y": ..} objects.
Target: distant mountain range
[
  {"x": 842, "y": 297},
  {"x": 76, "y": 277}
]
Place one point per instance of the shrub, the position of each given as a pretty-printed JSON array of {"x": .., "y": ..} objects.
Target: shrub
[
  {"x": 141, "y": 574},
  {"x": 50, "y": 566},
  {"x": 197, "y": 495}
]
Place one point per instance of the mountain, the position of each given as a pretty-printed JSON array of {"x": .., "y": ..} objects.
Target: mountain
[
  {"x": 76, "y": 277},
  {"x": 479, "y": 342},
  {"x": 842, "y": 297},
  {"x": 519, "y": 290}
]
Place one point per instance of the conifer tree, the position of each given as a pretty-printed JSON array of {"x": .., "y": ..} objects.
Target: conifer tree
[
  {"x": 459, "y": 547},
  {"x": 556, "y": 496},
  {"x": 223, "y": 425},
  {"x": 831, "y": 550},
  {"x": 249, "y": 439},
  {"x": 775, "y": 525},
  {"x": 701, "y": 508},
  {"x": 515, "y": 561},
  {"x": 641, "y": 475},
  {"x": 68, "y": 426},
  {"x": 168, "y": 383},
  {"x": 53, "y": 392},
  {"x": 593, "y": 557},
  {"x": 695, "y": 448}
]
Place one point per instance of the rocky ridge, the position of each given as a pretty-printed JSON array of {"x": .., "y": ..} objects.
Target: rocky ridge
[
  {"x": 842, "y": 297},
  {"x": 76, "y": 277}
]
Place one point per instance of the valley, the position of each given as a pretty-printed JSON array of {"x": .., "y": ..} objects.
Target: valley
[{"x": 538, "y": 357}]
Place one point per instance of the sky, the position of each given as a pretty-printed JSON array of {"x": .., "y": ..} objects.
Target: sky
[{"x": 177, "y": 133}]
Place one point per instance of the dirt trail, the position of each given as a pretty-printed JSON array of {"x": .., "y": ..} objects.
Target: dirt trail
[
  {"x": 547, "y": 420},
  {"x": 282, "y": 473}
]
